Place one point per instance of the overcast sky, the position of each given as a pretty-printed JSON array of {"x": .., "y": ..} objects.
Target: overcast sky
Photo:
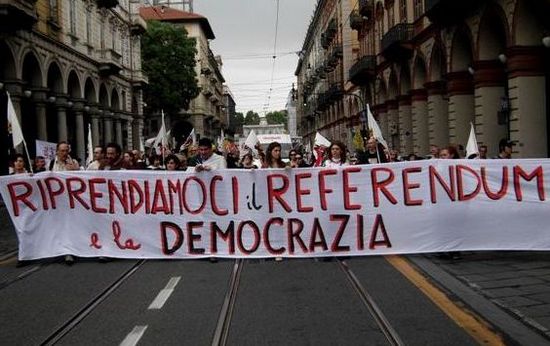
[{"x": 245, "y": 37}]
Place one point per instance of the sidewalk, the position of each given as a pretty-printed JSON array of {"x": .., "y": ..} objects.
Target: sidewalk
[{"x": 516, "y": 282}]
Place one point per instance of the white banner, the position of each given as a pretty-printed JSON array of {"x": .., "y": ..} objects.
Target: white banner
[{"x": 412, "y": 207}]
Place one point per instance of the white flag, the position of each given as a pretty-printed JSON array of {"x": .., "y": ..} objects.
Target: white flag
[
  {"x": 472, "y": 152},
  {"x": 373, "y": 126},
  {"x": 190, "y": 140},
  {"x": 90, "y": 146},
  {"x": 321, "y": 141},
  {"x": 141, "y": 145},
  {"x": 251, "y": 140},
  {"x": 162, "y": 137},
  {"x": 13, "y": 124}
]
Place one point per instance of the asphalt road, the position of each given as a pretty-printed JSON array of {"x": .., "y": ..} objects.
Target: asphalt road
[{"x": 193, "y": 302}]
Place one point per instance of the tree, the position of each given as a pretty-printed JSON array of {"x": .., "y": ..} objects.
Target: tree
[
  {"x": 252, "y": 118},
  {"x": 168, "y": 59},
  {"x": 277, "y": 117}
]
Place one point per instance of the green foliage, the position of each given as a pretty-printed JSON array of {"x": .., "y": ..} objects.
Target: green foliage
[
  {"x": 252, "y": 118},
  {"x": 168, "y": 59},
  {"x": 236, "y": 122},
  {"x": 277, "y": 117},
  {"x": 358, "y": 144}
]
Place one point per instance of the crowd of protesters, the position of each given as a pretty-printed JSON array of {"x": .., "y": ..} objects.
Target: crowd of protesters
[{"x": 206, "y": 157}]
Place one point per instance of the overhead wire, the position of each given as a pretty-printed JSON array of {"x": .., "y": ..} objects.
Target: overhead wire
[{"x": 274, "y": 57}]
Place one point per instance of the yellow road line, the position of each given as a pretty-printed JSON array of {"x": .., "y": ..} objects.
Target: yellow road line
[
  {"x": 469, "y": 321},
  {"x": 10, "y": 260}
]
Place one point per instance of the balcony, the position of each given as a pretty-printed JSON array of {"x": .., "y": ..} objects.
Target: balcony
[
  {"x": 323, "y": 101},
  {"x": 332, "y": 28},
  {"x": 355, "y": 20},
  {"x": 366, "y": 8},
  {"x": 363, "y": 71},
  {"x": 396, "y": 43},
  {"x": 138, "y": 26},
  {"x": 448, "y": 12},
  {"x": 335, "y": 92},
  {"x": 139, "y": 80},
  {"x": 107, "y": 4},
  {"x": 337, "y": 52},
  {"x": 110, "y": 62},
  {"x": 17, "y": 15}
]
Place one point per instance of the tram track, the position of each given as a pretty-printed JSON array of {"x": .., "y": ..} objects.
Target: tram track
[
  {"x": 11, "y": 256},
  {"x": 386, "y": 328},
  {"x": 78, "y": 317},
  {"x": 8, "y": 255},
  {"x": 223, "y": 325}
]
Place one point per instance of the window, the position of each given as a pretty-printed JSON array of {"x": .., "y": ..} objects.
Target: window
[
  {"x": 53, "y": 10},
  {"x": 418, "y": 10},
  {"x": 102, "y": 35},
  {"x": 72, "y": 16},
  {"x": 403, "y": 11},
  {"x": 89, "y": 25},
  {"x": 113, "y": 37}
]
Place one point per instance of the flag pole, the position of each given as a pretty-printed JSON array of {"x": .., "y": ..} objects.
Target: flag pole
[
  {"x": 162, "y": 149},
  {"x": 28, "y": 156}
]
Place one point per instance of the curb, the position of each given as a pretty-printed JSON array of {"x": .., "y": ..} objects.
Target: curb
[{"x": 508, "y": 325}]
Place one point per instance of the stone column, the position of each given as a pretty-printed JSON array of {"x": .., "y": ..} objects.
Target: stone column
[
  {"x": 95, "y": 128},
  {"x": 382, "y": 116},
  {"x": 80, "y": 131},
  {"x": 128, "y": 140},
  {"x": 421, "y": 139},
  {"x": 527, "y": 88},
  {"x": 107, "y": 128},
  {"x": 61, "y": 108},
  {"x": 393, "y": 124},
  {"x": 438, "y": 113},
  {"x": 461, "y": 106},
  {"x": 198, "y": 124},
  {"x": 118, "y": 132},
  {"x": 137, "y": 127},
  {"x": 405, "y": 124},
  {"x": 489, "y": 80},
  {"x": 39, "y": 97}
]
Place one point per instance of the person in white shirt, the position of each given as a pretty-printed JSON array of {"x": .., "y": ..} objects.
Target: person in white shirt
[
  {"x": 336, "y": 155},
  {"x": 63, "y": 161},
  {"x": 98, "y": 158},
  {"x": 207, "y": 159}
]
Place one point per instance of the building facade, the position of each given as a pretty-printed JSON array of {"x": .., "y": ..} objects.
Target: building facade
[
  {"x": 206, "y": 113},
  {"x": 230, "y": 112},
  {"x": 323, "y": 89},
  {"x": 73, "y": 64},
  {"x": 429, "y": 68}
]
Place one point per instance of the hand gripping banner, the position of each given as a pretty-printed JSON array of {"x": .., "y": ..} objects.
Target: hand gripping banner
[{"x": 399, "y": 208}]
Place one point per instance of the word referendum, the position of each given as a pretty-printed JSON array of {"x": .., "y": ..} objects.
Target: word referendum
[
  {"x": 193, "y": 194},
  {"x": 410, "y": 207}
]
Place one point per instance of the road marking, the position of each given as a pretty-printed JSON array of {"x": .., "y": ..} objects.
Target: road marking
[
  {"x": 164, "y": 294},
  {"x": 133, "y": 338},
  {"x": 10, "y": 260},
  {"x": 464, "y": 318}
]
